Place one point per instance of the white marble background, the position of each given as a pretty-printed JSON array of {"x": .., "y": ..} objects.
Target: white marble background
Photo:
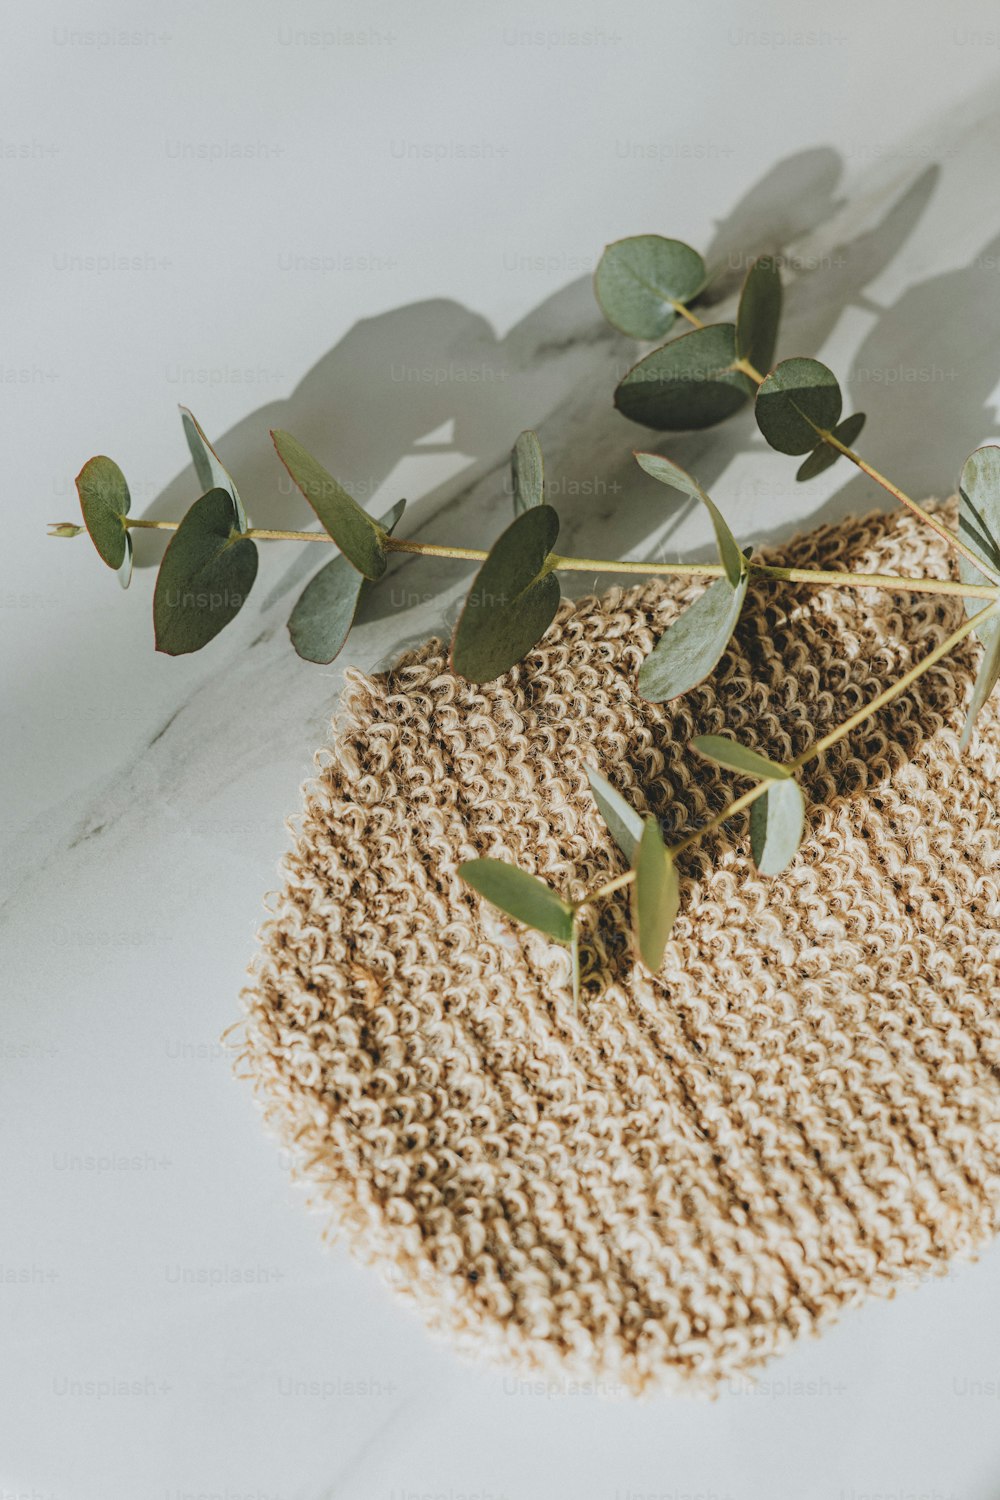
[{"x": 375, "y": 226}]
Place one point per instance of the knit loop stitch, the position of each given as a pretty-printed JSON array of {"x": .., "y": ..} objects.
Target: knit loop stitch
[{"x": 801, "y": 1110}]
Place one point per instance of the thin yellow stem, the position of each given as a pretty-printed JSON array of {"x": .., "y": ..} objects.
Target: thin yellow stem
[
  {"x": 816, "y": 576},
  {"x": 898, "y": 687},
  {"x": 606, "y": 890},
  {"x": 686, "y": 312},
  {"x": 748, "y": 369},
  {"x": 428, "y": 549},
  {"x": 842, "y": 730},
  {"x": 942, "y": 530}
]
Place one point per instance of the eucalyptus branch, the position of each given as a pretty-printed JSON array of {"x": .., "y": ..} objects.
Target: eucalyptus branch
[
  {"x": 644, "y": 285},
  {"x": 818, "y": 577}
]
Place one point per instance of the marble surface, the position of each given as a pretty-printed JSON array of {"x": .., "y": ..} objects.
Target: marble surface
[{"x": 377, "y": 244}]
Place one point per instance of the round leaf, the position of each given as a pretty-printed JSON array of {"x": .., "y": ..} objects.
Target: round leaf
[
  {"x": 513, "y": 600},
  {"x": 690, "y": 648},
  {"x": 776, "y": 823},
  {"x": 624, "y": 823},
  {"x": 798, "y": 399},
  {"x": 522, "y": 896},
  {"x": 667, "y": 472},
  {"x": 655, "y": 896},
  {"x": 823, "y": 455},
  {"x": 105, "y": 502},
  {"x": 328, "y": 605},
  {"x": 205, "y": 576},
  {"x": 527, "y": 472},
  {"x": 359, "y": 538},
  {"x": 759, "y": 313},
  {"x": 737, "y": 757},
  {"x": 687, "y": 384},
  {"x": 640, "y": 280},
  {"x": 211, "y": 473}
]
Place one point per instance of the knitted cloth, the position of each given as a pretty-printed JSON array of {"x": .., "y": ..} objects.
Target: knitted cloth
[{"x": 802, "y": 1109}]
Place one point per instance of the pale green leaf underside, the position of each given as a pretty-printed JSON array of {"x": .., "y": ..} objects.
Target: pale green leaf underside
[
  {"x": 737, "y": 757},
  {"x": 527, "y": 471},
  {"x": 624, "y": 823},
  {"x": 669, "y": 473},
  {"x": 212, "y": 473},
  {"x": 522, "y": 896},
  {"x": 655, "y": 897},
  {"x": 690, "y": 648},
  {"x": 776, "y": 822}
]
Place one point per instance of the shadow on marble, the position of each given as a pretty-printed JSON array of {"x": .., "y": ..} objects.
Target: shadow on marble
[{"x": 432, "y": 379}]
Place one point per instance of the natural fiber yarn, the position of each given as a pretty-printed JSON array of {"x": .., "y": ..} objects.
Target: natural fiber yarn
[{"x": 801, "y": 1110}]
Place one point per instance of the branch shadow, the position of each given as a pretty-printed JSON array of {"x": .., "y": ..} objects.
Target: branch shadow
[{"x": 433, "y": 380}]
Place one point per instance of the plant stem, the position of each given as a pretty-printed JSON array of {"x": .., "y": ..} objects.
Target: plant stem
[
  {"x": 817, "y": 576},
  {"x": 685, "y": 312},
  {"x": 942, "y": 530},
  {"x": 607, "y": 890},
  {"x": 842, "y": 730}
]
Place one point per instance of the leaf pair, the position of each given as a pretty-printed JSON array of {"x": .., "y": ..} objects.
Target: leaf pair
[
  {"x": 531, "y": 901},
  {"x": 514, "y": 596},
  {"x": 655, "y": 889},
  {"x": 210, "y": 566},
  {"x": 777, "y": 817},
  {"x": 691, "y": 647},
  {"x": 797, "y": 404},
  {"x": 207, "y": 570},
  {"x": 979, "y": 529},
  {"x": 702, "y": 377}
]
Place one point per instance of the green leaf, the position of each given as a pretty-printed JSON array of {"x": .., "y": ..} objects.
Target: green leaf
[
  {"x": 737, "y": 757},
  {"x": 328, "y": 605},
  {"x": 667, "y": 472},
  {"x": 205, "y": 576},
  {"x": 776, "y": 823},
  {"x": 624, "y": 823},
  {"x": 687, "y": 384},
  {"x": 105, "y": 502},
  {"x": 979, "y": 529},
  {"x": 522, "y": 896},
  {"x": 655, "y": 895},
  {"x": 986, "y": 680},
  {"x": 212, "y": 474},
  {"x": 690, "y": 648},
  {"x": 979, "y": 522},
  {"x": 759, "y": 313},
  {"x": 513, "y": 599},
  {"x": 639, "y": 281},
  {"x": 125, "y": 571},
  {"x": 360, "y": 539},
  {"x": 527, "y": 472},
  {"x": 798, "y": 399},
  {"x": 823, "y": 455}
]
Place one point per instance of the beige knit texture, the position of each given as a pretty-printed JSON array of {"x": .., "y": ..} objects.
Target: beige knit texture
[{"x": 801, "y": 1110}]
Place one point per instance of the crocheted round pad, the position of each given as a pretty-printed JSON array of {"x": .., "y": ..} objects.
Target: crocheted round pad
[{"x": 802, "y": 1109}]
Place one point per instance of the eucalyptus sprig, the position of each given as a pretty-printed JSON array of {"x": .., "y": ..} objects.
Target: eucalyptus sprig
[{"x": 644, "y": 285}]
